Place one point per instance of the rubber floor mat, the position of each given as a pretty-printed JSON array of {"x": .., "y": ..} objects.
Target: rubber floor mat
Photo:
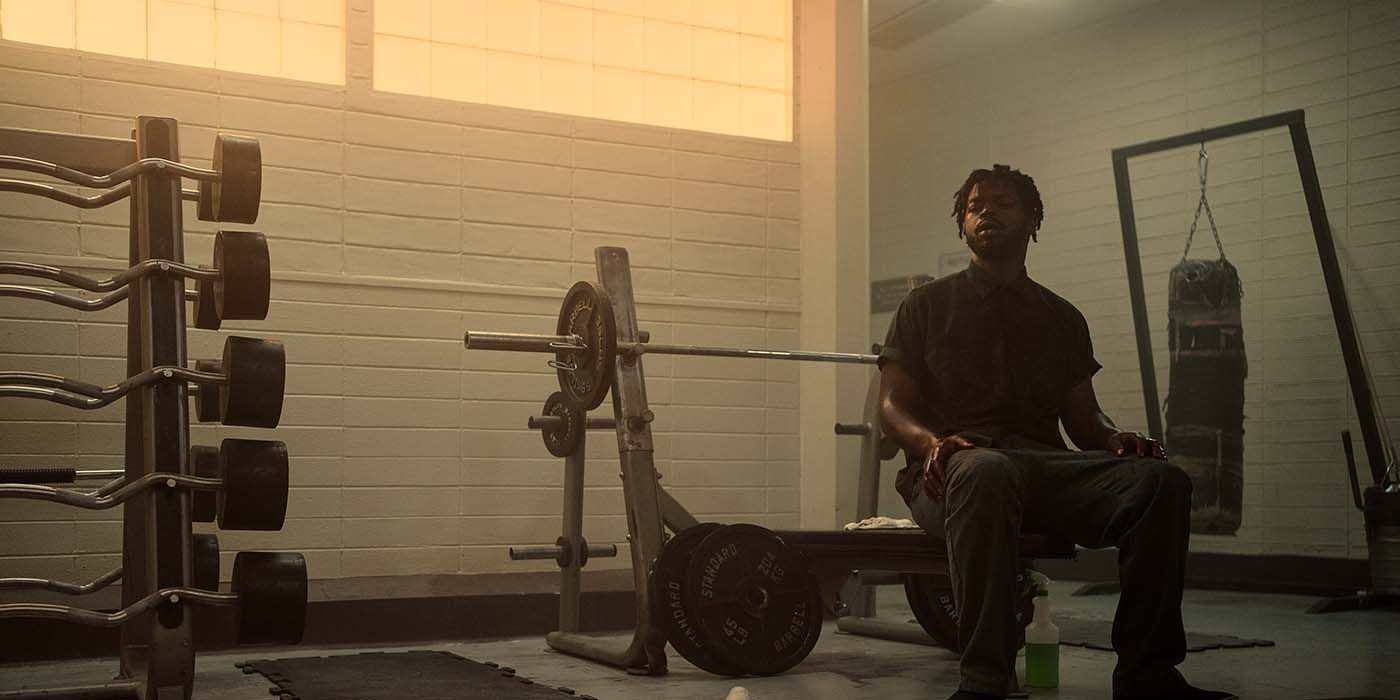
[
  {"x": 408, "y": 675},
  {"x": 1098, "y": 634}
]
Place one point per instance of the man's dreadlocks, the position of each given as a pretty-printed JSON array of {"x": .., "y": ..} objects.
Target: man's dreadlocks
[{"x": 1025, "y": 188}]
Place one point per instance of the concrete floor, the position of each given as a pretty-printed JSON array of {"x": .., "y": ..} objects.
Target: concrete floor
[{"x": 1317, "y": 656}]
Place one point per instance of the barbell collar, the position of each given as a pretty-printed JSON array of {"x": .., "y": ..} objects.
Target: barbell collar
[
  {"x": 523, "y": 342},
  {"x": 554, "y": 422}
]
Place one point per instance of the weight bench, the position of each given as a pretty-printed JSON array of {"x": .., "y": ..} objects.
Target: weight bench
[{"x": 922, "y": 561}]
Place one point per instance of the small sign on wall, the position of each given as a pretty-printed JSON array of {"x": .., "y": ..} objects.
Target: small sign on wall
[{"x": 886, "y": 294}]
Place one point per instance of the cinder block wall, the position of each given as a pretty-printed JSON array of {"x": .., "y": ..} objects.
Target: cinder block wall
[
  {"x": 1055, "y": 107},
  {"x": 395, "y": 223}
]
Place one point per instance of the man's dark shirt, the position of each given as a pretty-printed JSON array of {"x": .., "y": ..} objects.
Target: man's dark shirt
[{"x": 990, "y": 361}]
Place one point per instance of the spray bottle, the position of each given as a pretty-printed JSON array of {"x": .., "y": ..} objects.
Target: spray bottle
[{"x": 1042, "y": 645}]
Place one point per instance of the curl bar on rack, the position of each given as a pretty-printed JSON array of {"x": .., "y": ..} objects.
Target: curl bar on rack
[
  {"x": 231, "y": 191},
  {"x": 250, "y": 384},
  {"x": 268, "y": 592},
  {"x": 237, "y": 287},
  {"x": 251, "y": 484},
  {"x": 205, "y": 571}
]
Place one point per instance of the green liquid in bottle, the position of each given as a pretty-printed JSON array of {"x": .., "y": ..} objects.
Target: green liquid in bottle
[{"x": 1043, "y": 665}]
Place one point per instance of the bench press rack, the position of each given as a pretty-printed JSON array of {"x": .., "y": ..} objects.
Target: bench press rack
[{"x": 651, "y": 510}]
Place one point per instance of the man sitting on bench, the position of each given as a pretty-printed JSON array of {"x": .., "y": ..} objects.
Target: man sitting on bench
[{"x": 978, "y": 370}]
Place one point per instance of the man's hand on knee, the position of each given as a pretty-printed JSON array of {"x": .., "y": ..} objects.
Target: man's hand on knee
[
  {"x": 939, "y": 451},
  {"x": 1130, "y": 444}
]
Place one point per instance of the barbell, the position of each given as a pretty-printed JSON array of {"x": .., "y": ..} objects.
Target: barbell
[
  {"x": 231, "y": 191},
  {"x": 250, "y": 482},
  {"x": 237, "y": 287},
  {"x": 249, "y": 385},
  {"x": 204, "y": 570},
  {"x": 268, "y": 593},
  {"x": 585, "y": 347}
]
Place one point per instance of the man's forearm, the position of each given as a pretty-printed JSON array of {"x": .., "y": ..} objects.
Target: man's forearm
[{"x": 1094, "y": 433}]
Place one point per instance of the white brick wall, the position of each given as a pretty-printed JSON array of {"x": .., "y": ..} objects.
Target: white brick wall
[
  {"x": 395, "y": 223},
  {"x": 1056, "y": 107}
]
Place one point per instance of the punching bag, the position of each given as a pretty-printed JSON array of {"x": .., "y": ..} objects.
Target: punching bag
[{"x": 1205, "y": 399}]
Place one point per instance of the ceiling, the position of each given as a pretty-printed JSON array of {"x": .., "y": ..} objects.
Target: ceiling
[{"x": 911, "y": 36}]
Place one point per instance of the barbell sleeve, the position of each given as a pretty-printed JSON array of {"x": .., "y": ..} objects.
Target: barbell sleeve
[
  {"x": 552, "y": 551},
  {"x": 110, "y": 499},
  {"x": 522, "y": 342},
  {"x": 852, "y": 428},
  {"x": 554, "y": 422}
]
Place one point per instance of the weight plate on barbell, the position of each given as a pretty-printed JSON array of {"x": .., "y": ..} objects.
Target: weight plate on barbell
[
  {"x": 668, "y": 582},
  {"x": 255, "y": 481},
  {"x": 238, "y": 160},
  {"x": 586, "y": 377},
  {"x": 204, "y": 463},
  {"x": 204, "y": 561},
  {"x": 271, "y": 588},
  {"x": 562, "y": 440},
  {"x": 245, "y": 275},
  {"x": 255, "y": 373},
  {"x": 206, "y": 313},
  {"x": 754, "y": 598},
  {"x": 206, "y": 400}
]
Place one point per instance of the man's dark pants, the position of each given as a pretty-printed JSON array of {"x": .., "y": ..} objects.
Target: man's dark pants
[{"x": 1140, "y": 506}]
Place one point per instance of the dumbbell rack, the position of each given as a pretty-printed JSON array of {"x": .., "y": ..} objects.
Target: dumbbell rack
[{"x": 157, "y": 649}]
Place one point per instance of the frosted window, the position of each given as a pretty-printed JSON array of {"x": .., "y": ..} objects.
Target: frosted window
[
  {"x": 722, "y": 66},
  {"x": 296, "y": 39}
]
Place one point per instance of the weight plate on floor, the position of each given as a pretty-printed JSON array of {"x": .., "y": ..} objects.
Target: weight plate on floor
[
  {"x": 254, "y": 492},
  {"x": 562, "y": 440},
  {"x": 587, "y": 313},
  {"x": 668, "y": 581},
  {"x": 755, "y": 599},
  {"x": 271, "y": 588},
  {"x": 256, "y": 376},
  {"x": 204, "y": 561},
  {"x": 238, "y": 160},
  {"x": 204, "y": 463},
  {"x": 245, "y": 275}
]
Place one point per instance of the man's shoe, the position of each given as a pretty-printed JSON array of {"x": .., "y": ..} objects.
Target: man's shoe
[
  {"x": 969, "y": 695},
  {"x": 1187, "y": 693}
]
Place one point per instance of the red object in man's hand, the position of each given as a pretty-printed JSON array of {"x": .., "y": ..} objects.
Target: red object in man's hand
[{"x": 1130, "y": 444}]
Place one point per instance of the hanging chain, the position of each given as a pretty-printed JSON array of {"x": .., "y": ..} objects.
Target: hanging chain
[{"x": 1202, "y": 169}]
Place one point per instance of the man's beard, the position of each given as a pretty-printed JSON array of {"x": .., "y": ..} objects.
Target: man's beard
[{"x": 1005, "y": 246}]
